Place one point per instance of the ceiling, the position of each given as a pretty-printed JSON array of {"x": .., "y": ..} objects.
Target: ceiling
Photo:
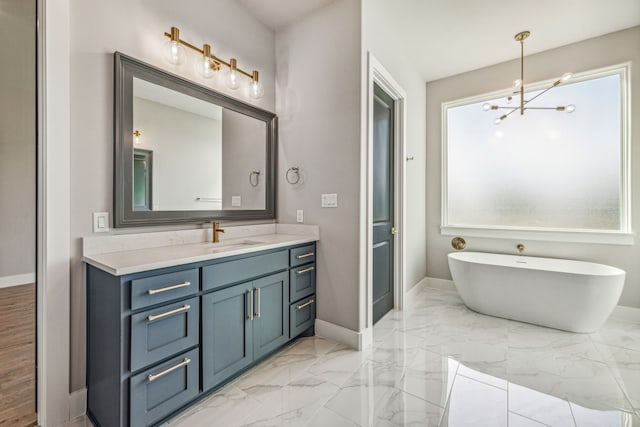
[{"x": 443, "y": 38}]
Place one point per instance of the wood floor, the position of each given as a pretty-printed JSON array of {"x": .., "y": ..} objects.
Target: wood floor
[{"x": 17, "y": 356}]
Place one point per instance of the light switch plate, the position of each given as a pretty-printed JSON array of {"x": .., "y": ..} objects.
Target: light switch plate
[
  {"x": 300, "y": 215},
  {"x": 329, "y": 200},
  {"x": 236, "y": 201},
  {"x": 100, "y": 222}
]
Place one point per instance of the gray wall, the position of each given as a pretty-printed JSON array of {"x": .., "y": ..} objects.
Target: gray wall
[
  {"x": 376, "y": 27},
  {"x": 17, "y": 139},
  {"x": 318, "y": 104},
  {"x": 599, "y": 52},
  {"x": 136, "y": 27}
]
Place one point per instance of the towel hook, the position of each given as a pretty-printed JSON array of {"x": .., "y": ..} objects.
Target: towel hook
[
  {"x": 295, "y": 172},
  {"x": 252, "y": 182}
]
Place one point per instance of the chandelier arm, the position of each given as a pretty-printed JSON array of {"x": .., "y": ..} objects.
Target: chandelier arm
[{"x": 542, "y": 93}]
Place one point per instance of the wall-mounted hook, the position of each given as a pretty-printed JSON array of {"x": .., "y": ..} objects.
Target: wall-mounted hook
[
  {"x": 409, "y": 158},
  {"x": 254, "y": 181},
  {"x": 293, "y": 175}
]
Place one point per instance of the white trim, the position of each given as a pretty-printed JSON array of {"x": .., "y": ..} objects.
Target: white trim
[
  {"x": 77, "y": 403},
  {"x": 626, "y": 314},
  {"x": 378, "y": 74},
  {"x": 356, "y": 340},
  {"x": 547, "y": 235},
  {"x": 623, "y": 236},
  {"x": 54, "y": 183},
  {"x": 434, "y": 282},
  {"x": 17, "y": 280}
]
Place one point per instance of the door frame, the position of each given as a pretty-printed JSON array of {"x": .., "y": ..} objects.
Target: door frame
[{"x": 379, "y": 75}]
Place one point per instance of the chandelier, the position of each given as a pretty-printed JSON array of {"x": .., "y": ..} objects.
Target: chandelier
[{"x": 518, "y": 88}]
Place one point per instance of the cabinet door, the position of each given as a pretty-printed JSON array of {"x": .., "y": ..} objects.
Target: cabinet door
[
  {"x": 226, "y": 333},
  {"x": 271, "y": 317}
]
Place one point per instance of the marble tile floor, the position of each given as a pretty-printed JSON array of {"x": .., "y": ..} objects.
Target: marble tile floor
[{"x": 439, "y": 364}]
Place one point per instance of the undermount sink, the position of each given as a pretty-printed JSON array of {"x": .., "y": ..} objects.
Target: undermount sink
[{"x": 219, "y": 247}]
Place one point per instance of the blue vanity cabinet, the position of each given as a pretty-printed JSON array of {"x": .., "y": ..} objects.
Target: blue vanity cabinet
[
  {"x": 241, "y": 324},
  {"x": 159, "y": 340},
  {"x": 271, "y": 318},
  {"x": 227, "y": 333}
]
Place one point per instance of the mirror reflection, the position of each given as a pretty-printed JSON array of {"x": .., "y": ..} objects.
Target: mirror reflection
[{"x": 192, "y": 155}]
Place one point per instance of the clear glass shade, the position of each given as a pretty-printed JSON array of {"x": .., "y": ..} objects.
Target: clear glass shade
[
  {"x": 174, "y": 52},
  {"x": 256, "y": 90},
  {"x": 205, "y": 67}
]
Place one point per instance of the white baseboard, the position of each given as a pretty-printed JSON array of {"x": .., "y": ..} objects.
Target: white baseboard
[
  {"x": 17, "y": 280},
  {"x": 433, "y": 282},
  {"x": 348, "y": 337},
  {"x": 627, "y": 314},
  {"x": 77, "y": 403},
  {"x": 423, "y": 282}
]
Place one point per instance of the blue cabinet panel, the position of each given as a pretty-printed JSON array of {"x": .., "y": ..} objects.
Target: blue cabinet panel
[
  {"x": 302, "y": 255},
  {"x": 226, "y": 333},
  {"x": 302, "y": 281},
  {"x": 271, "y": 319},
  {"x": 225, "y": 273},
  {"x": 303, "y": 315},
  {"x": 158, "y": 391},
  {"x": 162, "y": 332},
  {"x": 163, "y": 288}
]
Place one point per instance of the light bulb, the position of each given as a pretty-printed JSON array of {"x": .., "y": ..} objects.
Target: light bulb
[
  {"x": 173, "y": 51},
  {"x": 205, "y": 65},
  {"x": 486, "y": 106},
  {"x": 232, "y": 75},
  {"x": 565, "y": 77},
  {"x": 517, "y": 83},
  {"x": 497, "y": 121},
  {"x": 570, "y": 108},
  {"x": 256, "y": 90}
]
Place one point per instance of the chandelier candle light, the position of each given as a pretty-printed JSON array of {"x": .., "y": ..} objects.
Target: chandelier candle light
[
  {"x": 518, "y": 86},
  {"x": 208, "y": 64}
]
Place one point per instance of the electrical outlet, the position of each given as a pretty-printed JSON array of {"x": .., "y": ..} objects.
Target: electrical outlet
[
  {"x": 300, "y": 215},
  {"x": 329, "y": 200},
  {"x": 236, "y": 201},
  {"x": 100, "y": 222}
]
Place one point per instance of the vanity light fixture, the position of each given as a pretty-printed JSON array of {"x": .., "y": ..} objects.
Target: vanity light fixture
[
  {"x": 518, "y": 86},
  {"x": 136, "y": 137},
  {"x": 208, "y": 64}
]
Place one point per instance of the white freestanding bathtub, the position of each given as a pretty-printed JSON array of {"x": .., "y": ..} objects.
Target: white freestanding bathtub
[{"x": 572, "y": 295}]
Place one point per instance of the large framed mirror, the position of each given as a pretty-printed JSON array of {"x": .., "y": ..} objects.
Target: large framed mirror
[{"x": 186, "y": 153}]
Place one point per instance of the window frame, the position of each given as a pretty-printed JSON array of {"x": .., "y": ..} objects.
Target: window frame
[{"x": 622, "y": 236}]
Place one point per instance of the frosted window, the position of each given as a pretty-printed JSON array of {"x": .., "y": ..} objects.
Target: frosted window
[{"x": 546, "y": 169}]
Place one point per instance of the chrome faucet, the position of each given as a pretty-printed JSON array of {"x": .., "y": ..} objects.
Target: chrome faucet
[{"x": 215, "y": 230}]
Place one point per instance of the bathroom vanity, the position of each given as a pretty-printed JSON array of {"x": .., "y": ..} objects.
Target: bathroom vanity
[{"x": 168, "y": 325}]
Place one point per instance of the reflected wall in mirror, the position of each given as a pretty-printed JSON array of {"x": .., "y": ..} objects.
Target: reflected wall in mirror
[{"x": 185, "y": 153}]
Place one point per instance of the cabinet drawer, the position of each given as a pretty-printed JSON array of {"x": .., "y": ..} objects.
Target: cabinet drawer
[
  {"x": 225, "y": 273},
  {"x": 302, "y": 315},
  {"x": 163, "y": 287},
  {"x": 302, "y": 255},
  {"x": 164, "y": 331},
  {"x": 157, "y": 392},
  {"x": 302, "y": 281}
]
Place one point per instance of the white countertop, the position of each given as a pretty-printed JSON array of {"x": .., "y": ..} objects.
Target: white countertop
[{"x": 125, "y": 261}]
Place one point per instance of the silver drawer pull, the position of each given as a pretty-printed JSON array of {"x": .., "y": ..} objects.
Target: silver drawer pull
[
  {"x": 153, "y": 377},
  {"x": 153, "y": 317},
  {"x": 306, "y": 270},
  {"x": 169, "y": 288},
  {"x": 301, "y": 306},
  {"x": 305, "y": 255}
]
